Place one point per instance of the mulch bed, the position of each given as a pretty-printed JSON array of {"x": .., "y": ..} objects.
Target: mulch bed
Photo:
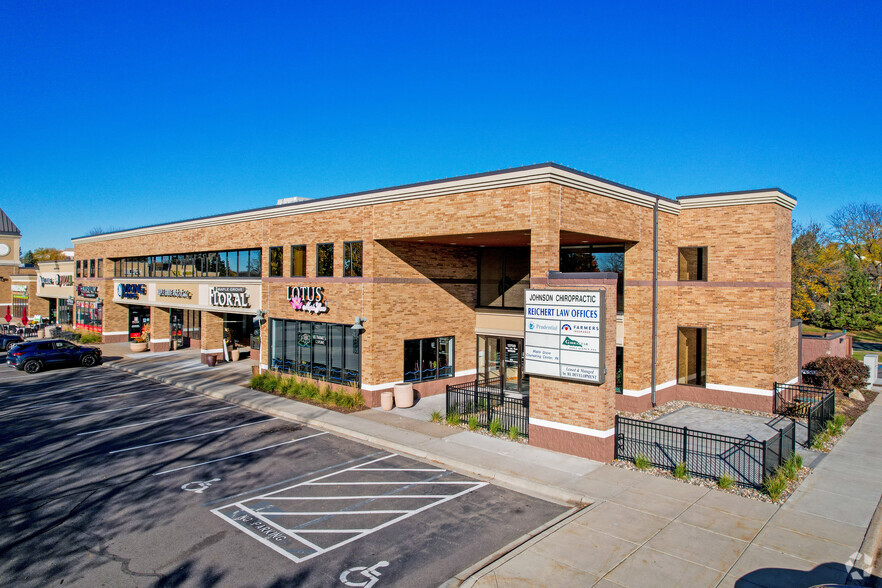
[
  {"x": 852, "y": 409},
  {"x": 314, "y": 403},
  {"x": 751, "y": 493}
]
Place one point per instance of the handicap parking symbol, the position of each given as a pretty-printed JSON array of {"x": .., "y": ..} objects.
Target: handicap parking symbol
[
  {"x": 199, "y": 486},
  {"x": 371, "y": 574}
]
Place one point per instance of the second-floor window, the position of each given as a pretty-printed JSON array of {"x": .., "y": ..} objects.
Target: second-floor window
[
  {"x": 324, "y": 260},
  {"x": 298, "y": 261},
  {"x": 275, "y": 261},
  {"x": 352, "y": 259},
  {"x": 693, "y": 264}
]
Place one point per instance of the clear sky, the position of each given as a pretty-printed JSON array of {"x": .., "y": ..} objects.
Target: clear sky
[{"x": 121, "y": 114}]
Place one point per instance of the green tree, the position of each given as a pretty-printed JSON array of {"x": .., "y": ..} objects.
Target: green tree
[
  {"x": 856, "y": 304},
  {"x": 28, "y": 258}
]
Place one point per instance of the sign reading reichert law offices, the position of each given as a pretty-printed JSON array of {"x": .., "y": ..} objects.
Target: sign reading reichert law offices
[{"x": 564, "y": 334}]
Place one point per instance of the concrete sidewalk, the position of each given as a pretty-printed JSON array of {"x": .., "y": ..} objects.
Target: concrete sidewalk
[{"x": 638, "y": 529}]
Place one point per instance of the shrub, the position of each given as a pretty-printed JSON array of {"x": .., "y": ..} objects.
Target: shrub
[
  {"x": 820, "y": 441},
  {"x": 453, "y": 418},
  {"x": 87, "y": 337},
  {"x": 834, "y": 425},
  {"x": 642, "y": 462},
  {"x": 513, "y": 432},
  {"x": 843, "y": 374},
  {"x": 774, "y": 485},
  {"x": 436, "y": 416},
  {"x": 473, "y": 423},
  {"x": 495, "y": 425},
  {"x": 790, "y": 468},
  {"x": 680, "y": 471},
  {"x": 725, "y": 482}
]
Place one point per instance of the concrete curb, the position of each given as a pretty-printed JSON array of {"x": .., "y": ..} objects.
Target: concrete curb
[
  {"x": 872, "y": 545},
  {"x": 511, "y": 482}
]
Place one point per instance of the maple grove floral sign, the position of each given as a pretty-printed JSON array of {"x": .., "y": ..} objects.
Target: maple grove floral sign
[{"x": 307, "y": 299}]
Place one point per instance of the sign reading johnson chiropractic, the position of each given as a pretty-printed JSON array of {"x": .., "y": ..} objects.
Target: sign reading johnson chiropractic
[{"x": 564, "y": 334}]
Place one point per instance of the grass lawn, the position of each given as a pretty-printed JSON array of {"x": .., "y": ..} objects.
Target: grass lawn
[{"x": 870, "y": 335}]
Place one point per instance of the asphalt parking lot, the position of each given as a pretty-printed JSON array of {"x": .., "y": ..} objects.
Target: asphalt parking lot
[{"x": 108, "y": 479}]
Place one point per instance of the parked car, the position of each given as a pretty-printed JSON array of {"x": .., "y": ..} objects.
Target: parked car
[
  {"x": 9, "y": 341},
  {"x": 33, "y": 356}
]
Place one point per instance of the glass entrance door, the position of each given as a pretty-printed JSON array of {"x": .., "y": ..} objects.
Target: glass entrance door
[
  {"x": 139, "y": 319},
  {"x": 503, "y": 358},
  {"x": 176, "y": 326}
]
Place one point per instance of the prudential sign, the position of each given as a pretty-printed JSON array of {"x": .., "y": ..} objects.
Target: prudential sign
[{"x": 564, "y": 334}]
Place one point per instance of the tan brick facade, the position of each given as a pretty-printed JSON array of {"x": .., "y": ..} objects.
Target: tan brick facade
[{"x": 421, "y": 250}]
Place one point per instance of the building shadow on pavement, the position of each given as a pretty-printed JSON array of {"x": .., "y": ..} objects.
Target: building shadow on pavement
[{"x": 826, "y": 574}]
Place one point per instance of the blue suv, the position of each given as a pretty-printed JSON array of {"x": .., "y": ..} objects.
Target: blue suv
[
  {"x": 33, "y": 356},
  {"x": 8, "y": 341}
]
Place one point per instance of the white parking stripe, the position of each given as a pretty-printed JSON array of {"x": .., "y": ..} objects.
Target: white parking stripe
[
  {"x": 75, "y": 416},
  {"x": 244, "y": 518},
  {"x": 397, "y": 470},
  {"x": 239, "y": 454},
  {"x": 399, "y": 483},
  {"x": 191, "y": 436},
  {"x": 180, "y": 416}
]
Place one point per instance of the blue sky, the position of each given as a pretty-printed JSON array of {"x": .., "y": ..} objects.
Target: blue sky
[{"x": 122, "y": 114}]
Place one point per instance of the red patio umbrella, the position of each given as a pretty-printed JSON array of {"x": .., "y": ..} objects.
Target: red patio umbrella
[
  {"x": 8, "y": 316},
  {"x": 24, "y": 316}
]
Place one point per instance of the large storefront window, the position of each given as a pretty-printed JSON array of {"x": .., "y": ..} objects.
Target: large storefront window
[
  {"x": 241, "y": 263},
  {"x": 184, "y": 325},
  {"x": 89, "y": 315},
  {"x": 503, "y": 276},
  {"x": 65, "y": 312},
  {"x": 321, "y": 351},
  {"x": 428, "y": 359},
  {"x": 19, "y": 303},
  {"x": 597, "y": 258}
]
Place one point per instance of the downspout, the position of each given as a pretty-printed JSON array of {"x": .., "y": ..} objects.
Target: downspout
[{"x": 654, "y": 298}]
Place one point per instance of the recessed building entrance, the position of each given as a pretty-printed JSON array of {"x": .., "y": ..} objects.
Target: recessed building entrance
[{"x": 503, "y": 358}]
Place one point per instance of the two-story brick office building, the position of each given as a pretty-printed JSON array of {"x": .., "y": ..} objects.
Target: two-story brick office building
[{"x": 697, "y": 290}]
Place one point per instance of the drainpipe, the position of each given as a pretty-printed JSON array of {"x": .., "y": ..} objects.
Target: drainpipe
[{"x": 654, "y": 298}]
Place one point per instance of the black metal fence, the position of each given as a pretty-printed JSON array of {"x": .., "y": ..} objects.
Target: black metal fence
[
  {"x": 707, "y": 455},
  {"x": 486, "y": 401},
  {"x": 795, "y": 400},
  {"x": 818, "y": 415}
]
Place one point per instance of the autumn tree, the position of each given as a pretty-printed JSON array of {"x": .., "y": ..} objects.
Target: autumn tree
[
  {"x": 48, "y": 254},
  {"x": 817, "y": 270}
]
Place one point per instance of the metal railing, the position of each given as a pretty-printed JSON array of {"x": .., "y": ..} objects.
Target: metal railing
[
  {"x": 486, "y": 401},
  {"x": 795, "y": 400},
  {"x": 707, "y": 455},
  {"x": 818, "y": 415}
]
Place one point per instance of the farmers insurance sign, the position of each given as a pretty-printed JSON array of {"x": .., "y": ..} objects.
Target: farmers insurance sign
[{"x": 564, "y": 334}]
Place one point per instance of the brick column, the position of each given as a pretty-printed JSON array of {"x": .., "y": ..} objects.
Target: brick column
[
  {"x": 160, "y": 339},
  {"x": 116, "y": 321},
  {"x": 212, "y": 342},
  {"x": 545, "y": 230},
  {"x": 574, "y": 417}
]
